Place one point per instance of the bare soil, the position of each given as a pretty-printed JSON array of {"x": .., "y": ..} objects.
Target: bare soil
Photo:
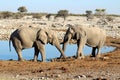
[{"x": 105, "y": 68}]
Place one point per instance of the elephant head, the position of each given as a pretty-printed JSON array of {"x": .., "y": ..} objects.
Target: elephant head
[
  {"x": 73, "y": 33},
  {"x": 47, "y": 36}
]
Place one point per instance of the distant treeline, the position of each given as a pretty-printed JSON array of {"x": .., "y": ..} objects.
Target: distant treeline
[
  {"x": 61, "y": 13},
  {"x": 22, "y": 11}
]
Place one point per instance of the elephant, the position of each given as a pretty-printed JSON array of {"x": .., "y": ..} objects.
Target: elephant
[
  {"x": 92, "y": 36},
  {"x": 23, "y": 38}
]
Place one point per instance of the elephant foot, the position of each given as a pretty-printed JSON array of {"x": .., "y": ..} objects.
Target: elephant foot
[
  {"x": 81, "y": 57},
  {"x": 98, "y": 56},
  {"x": 35, "y": 60},
  {"x": 43, "y": 61},
  {"x": 21, "y": 60},
  {"x": 92, "y": 55},
  {"x": 62, "y": 57}
]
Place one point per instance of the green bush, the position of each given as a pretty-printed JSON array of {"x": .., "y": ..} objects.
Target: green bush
[
  {"x": 37, "y": 15},
  {"x": 17, "y": 15},
  {"x": 6, "y": 14}
]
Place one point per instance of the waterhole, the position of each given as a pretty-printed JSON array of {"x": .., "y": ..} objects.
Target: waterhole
[{"x": 51, "y": 51}]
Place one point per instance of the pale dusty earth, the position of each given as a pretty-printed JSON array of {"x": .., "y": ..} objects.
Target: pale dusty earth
[{"x": 105, "y": 68}]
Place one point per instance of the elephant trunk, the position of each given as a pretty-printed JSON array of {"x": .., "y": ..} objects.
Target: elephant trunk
[
  {"x": 10, "y": 44},
  {"x": 65, "y": 42},
  {"x": 57, "y": 45},
  {"x": 64, "y": 46}
]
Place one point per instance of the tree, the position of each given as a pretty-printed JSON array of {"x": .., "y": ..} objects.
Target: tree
[
  {"x": 100, "y": 12},
  {"x": 22, "y": 9},
  {"x": 48, "y": 16},
  {"x": 62, "y": 13},
  {"x": 89, "y": 14}
]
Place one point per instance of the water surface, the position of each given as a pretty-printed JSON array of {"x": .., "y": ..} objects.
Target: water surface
[{"x": 51, "y": 51}]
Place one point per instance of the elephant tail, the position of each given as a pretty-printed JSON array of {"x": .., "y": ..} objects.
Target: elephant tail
[{"x": 10, "y": 44}]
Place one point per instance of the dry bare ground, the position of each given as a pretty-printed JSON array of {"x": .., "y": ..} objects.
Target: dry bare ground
[{"x": 105, "y": 68}]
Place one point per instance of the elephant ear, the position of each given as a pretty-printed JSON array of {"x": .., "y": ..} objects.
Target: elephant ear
[
  {"x": 42, "y": 36},
  {"x": 81, "y": 34},
  {"x": 71, "y": 30}
]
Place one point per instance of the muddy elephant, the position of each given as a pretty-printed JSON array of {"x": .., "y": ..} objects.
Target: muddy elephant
[
  {"x": 91, "y": 36},
  {"x": 23, "y": 38}
]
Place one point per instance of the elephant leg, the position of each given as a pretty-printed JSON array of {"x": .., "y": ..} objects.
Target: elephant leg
[
  {"x": 19, "y": 52},
  {"x": 18, "y": 48},
  {"x": 79, "y": 50},
  {"x": 42, "y": 51},
  {"x": 98, "y": 53},
  {"x": 41, "y": 48},
  {"x": 36, "y": 54},
  {"x": 99, "y": 47},
  {"x": 61, "y": 51},
  {"x": 93, "y": 51}
]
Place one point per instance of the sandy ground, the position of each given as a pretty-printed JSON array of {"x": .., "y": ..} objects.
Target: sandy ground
[{"x": 105, "y": 68}]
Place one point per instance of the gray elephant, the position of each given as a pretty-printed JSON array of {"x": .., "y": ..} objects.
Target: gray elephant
[
  {"x": 91, "y": 36},
  {"x": 23, "y": 38}
]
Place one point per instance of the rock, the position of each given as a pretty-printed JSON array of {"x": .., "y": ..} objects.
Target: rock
[
  {"x": 42, "y": 77},
  {"x": 58, "y": 75},
  {"x": 17, "y": 76},
  {"x": 101, "y": 78},
  {"x": 105, "y": 58},
  {"x": 80, "y": 76},
  {"x": 83, "y": 76}
]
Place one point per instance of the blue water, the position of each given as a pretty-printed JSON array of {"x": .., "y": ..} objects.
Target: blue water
[{"x": 51, "y": 51}]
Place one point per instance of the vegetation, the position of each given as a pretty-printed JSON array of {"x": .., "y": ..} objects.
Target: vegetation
[
  {"x": 71, "y": 14},
  {"x": 22, "y": 9},
  {"x": 62, "y": 13},
  {"x": 109, "y": 18},
  {"x": 89, "y": 14},
  {"x": 17, "y": 15},
  {"x": 37, "y": 16},
  {"x": 48, "y": 16},
  {"x": 6, "y": 14},
  {"x": 100, "y": 13}
]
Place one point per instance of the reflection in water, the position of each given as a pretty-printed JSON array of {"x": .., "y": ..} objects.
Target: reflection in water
[{"x": 51, "y": 51}]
